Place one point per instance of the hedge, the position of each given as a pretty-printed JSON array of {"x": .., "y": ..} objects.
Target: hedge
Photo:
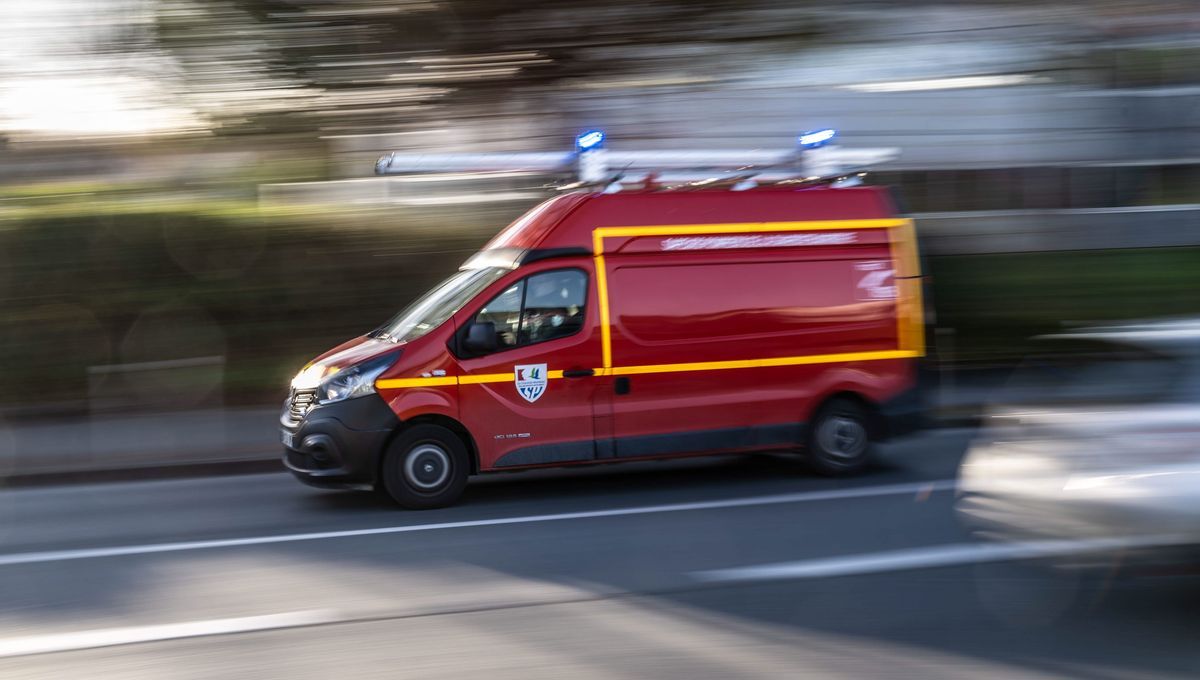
[{"x": 270, "y": 292}]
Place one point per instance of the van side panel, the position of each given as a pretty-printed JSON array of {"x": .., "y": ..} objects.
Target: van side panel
[
  {"x": 739, "y": 409},
  {"x": 734, "y": 347},
  {"x": 717, "y": 307}
]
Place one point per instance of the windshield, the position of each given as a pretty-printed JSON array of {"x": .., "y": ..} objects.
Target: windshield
[{"x": 433, "y": 308}]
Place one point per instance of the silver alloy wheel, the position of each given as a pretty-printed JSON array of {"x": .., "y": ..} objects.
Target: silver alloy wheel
[
  {"x": 427, "y": 466},
  {"x": 842, "y": 437}
]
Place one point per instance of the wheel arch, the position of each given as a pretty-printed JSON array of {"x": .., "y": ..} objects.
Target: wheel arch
[{"x": 433, "y": 419}]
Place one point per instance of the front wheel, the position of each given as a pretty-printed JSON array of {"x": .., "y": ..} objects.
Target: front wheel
[
  {"x": 839, "y": 441},
  {"x": 426, "y": 466}
]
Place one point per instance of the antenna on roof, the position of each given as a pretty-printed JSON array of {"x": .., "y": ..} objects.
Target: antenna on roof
[{"x": 814, "y": 160}]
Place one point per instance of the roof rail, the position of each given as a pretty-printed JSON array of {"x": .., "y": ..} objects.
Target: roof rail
[{"x": 591, "y": 165}]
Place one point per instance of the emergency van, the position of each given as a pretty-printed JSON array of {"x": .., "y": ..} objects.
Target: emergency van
[{"x": 629, "y": 321}]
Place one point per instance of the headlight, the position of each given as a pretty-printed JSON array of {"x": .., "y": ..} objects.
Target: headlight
[{"x": 354, "y": 381}]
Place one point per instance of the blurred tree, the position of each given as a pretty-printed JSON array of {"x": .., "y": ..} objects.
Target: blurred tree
[
  {"x": 374, "y": 65},
  {"x": 231, "y": 64}
]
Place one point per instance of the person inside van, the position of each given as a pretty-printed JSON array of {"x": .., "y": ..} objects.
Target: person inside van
[
  {"x": 553, "y": 306},
  {"x": 504, "y": 311}
]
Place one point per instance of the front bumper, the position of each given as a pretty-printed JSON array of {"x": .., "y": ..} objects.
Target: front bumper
[{"x": 338, "y": 445}]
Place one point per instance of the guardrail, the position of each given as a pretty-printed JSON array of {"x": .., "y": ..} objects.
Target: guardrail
[{"x": 1013, "y": 231}]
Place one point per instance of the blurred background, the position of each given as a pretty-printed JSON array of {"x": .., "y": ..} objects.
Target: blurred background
[{"x": 188, "y": 214}]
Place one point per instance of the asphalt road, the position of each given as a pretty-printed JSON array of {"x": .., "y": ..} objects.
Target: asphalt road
[{"x": 737, "y": 567}]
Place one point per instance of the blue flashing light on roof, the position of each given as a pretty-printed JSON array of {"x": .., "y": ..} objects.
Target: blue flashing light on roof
[
  {"x": 592, "y": 139},
  {"x": 816, "y": 138}
]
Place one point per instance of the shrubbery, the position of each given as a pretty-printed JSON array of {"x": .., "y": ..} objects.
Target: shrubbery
[{"x": 269, "y": 292}]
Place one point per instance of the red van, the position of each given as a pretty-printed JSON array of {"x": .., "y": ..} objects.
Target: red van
[{"x": 606, "y": 327}]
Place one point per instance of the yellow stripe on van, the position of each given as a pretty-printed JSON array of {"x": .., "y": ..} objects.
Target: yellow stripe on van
[
  {"x": 478, "y": 379},
  {"x": 909, "y": 312},
  {"x": 911, "y": 306},
  {"x": 602, "y": 296},
  {"x": 910, "y": 322},
  {"x": 499, "y": 377},
  {"x": 743, "y": 228},
  {"x": 605, "y": 328},
  {"x": 394, "y": 383},
  {"x": 484, "y": 378},
  {"x": 765, "y": 363}
]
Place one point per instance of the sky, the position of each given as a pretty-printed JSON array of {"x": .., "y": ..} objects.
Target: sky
[{"x": 56, "y": 80}]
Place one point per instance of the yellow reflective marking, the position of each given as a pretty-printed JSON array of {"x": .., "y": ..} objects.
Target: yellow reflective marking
[
  {"x": 482, "y": 378},
  {"x": 914, "y": 305},
  {"x": 907, "y": 340},
  {"x": 599, "y": 234},
  {"x": 764, "y": 363},
  {"x": 393, "y": 383},
  {"x": 909, "y": 309},
  {"x": 602, "y": 295},
  {"x": 499, "y": 377},
  {"x": 743, "y": 228},
  {"x": 605, "y": 327},
  {"x": 478, "y": 379}
]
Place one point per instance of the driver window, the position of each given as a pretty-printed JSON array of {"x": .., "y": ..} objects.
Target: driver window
[
  {"x": 553, "y": 305},
  {"x": 504, "y": 310},
  {"x": 537, "y": 308}
]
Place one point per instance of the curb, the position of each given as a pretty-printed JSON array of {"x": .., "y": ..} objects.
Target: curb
[{"x": 146, "y": 472}]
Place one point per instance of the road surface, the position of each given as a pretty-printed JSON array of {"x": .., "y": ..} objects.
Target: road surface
[{"x": 736, "y": 567}]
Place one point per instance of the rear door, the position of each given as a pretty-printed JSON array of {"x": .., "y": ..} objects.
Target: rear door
[{"x": 531, "y": 401}]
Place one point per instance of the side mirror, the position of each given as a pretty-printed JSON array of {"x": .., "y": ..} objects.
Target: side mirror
[{"x": 481, "y": 337}]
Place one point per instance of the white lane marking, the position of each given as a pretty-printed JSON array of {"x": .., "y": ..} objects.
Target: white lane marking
[
  {"x": 927, "y": 558},
  {"x": 800, "y": 497},
  {"x": 109, "y": 637}
]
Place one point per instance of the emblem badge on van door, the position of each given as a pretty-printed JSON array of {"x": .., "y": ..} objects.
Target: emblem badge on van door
[{"x": 531, "y": 381}]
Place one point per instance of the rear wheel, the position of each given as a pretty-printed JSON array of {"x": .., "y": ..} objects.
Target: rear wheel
[
  {"x": 426, "y": 466},
  {"x": 839, "y": 441}
]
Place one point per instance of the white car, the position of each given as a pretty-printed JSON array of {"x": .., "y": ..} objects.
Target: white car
[{"x": 1096, "y": 444}]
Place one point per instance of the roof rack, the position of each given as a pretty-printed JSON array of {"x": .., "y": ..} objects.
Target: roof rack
[{"x": 590, "y": 165}]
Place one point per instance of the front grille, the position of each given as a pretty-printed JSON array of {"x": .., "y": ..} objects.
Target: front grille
[{"x": 301, "y": 402}]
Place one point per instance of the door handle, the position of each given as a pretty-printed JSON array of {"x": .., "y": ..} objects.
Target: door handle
[
  {"x": 579, "y": 373},
  {"x": 621, "y": 385}
]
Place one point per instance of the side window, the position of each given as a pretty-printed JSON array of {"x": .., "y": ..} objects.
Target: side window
[
  {"x": 505, "y": 311},
  {"x": 554, "y": 304},
  {"x": 537, "y": 308}
]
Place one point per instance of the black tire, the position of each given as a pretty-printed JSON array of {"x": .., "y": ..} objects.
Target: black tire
[
  {"x": 838, "y": 441},
  {"x": 425, "y": 466}
]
